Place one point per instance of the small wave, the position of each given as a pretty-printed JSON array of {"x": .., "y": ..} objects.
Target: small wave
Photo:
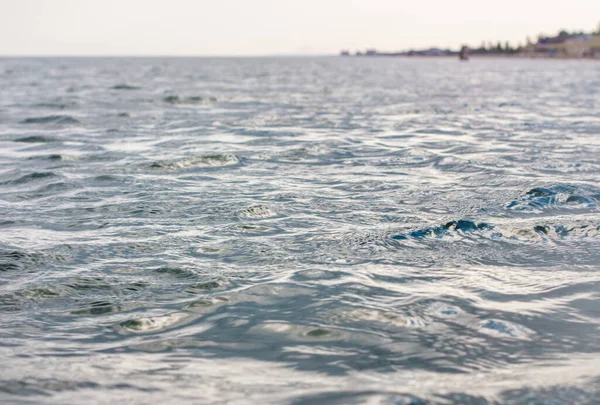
[
  {"x": 43, "y": 387},
  {"x": 177, "y": 273},
  {"x": 152, "y": 324},
  {"x": 17, "y": 259},
  {"x": 409, "y": 158},
  {"x": 257, "y": 211},
  {"x": 97, "y": 308},
  {"x": 125, "y": 87},
  {"x": 192, "y": 100},
  {"x": 56, "y": 106},
  {"x": 205, "y": 304},
  {"x": 106, "y": 178},
  {"x": 255, "y": 229},
  {"x": 51, "y": 119},
  {"x": 503, "y": 329},
  {"x": 36, "y": 139},
  {"x": 548, "y": 232},
  {"x": 368, "y": 186},
  {"x": 32, "y": 177},
  {"x": 505, "y": 232},
  {"x": 320, "y": 154},
  {"x": 359, "y": 397},
  {"x": 296, "y": 332},
  {"x": 206, "y": 160},
  {"x": 460, "y": 226},
  {"x": 51, "y": 189},
  {"x": 90, "y": 283},
  {"x": 10, "y": 260},
  {"x": 53, "y": 157},
  {"x": 556, "y": 196}
]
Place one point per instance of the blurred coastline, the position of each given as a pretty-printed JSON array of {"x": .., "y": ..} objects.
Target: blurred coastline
[{"x": 563, "y": 45}]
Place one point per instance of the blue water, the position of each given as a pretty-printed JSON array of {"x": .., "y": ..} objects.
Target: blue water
[{"x": 299, "y": 231}]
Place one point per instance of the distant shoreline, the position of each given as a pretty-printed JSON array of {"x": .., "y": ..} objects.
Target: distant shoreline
[
  {"x": 489, "y": 56},
  {"x": 287, "y": 56}
]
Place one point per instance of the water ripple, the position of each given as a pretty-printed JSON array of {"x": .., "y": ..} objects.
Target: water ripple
[{"x": 299, "y": 230}]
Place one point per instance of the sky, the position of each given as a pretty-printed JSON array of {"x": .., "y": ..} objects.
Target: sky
[{"x": 272, "y": 27}]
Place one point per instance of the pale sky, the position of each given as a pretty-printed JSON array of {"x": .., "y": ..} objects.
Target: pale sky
[{"x": 266, "y": 27}]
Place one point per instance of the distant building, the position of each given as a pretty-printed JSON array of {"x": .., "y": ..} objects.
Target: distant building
[
  {"x": 594, "y": 45},
  {"x": 577, "y": 47},
  {"x": 568, "y": 46}
]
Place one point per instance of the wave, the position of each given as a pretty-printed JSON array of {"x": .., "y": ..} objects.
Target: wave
[
  {"x": 125, "y": 87},
  {"x": 460, "y": 226},
  {"x": 557, "y": 196},
  {"x": 35, "y": 176},
  {"x": 509, "y": 231},
  {"x": 51, "y": 119},
  {"x": 257, "y": 211},
  {"x": 36, "y": 139},
  {"x": 56, "y": 105},
  {"x": 190, "y": 100},
  {"x": 216, "y": 160}
]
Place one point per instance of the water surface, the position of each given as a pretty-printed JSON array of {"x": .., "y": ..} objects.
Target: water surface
[{"x": 299, "y": 230}]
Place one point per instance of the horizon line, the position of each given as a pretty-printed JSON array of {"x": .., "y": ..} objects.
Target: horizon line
[{"x": 166, "y": 55}]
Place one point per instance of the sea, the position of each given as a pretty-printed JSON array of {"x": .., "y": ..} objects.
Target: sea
[{"x": 299, "y": 230}]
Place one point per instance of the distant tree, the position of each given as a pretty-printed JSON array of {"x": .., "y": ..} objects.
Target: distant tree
[
  {"x": 563, "y": 33},
  {"x": 482, "y": 45},
  {"x": 507, "y": 47},
  {"x": 499, "y": 47},
  {"x": 529, "y": 41}
]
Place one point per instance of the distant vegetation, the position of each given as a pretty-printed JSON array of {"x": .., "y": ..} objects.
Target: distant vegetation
[
  {"x": 503, "y": 48},
  {"x": 498, "y": 48}
]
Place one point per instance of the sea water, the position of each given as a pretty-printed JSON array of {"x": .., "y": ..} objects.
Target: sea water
[{"x": 299, "y": 231}]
